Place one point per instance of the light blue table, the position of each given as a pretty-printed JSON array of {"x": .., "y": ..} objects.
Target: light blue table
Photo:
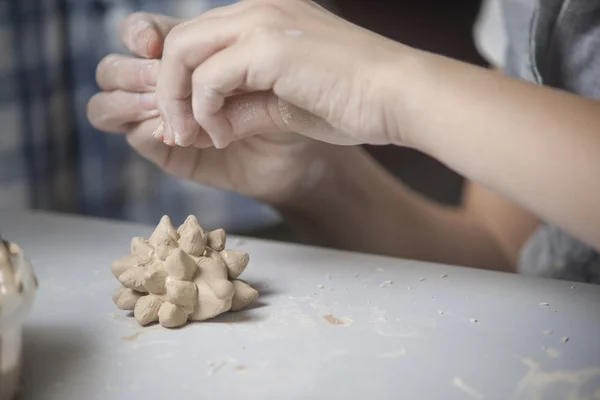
[{"x": 328, "y": 325}]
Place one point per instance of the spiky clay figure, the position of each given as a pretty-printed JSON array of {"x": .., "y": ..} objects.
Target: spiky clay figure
[{"x": 180, "y": 275}]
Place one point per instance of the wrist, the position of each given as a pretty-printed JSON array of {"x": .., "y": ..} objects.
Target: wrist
[
  {"x": 325, "y": 179},
  {"x": 402, "y": 80},
  {"x": 342, "y": 208}
]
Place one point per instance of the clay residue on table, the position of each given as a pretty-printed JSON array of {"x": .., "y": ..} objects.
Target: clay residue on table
[
  {"x": 240, "y": 368},
  {"x": 576, "y": 384},
  {"x": 337, "y": 321},
  {"x": 132, "y": 337},
  {"x": 552, "y": 352},
  {"x": 462, "y": 385}
]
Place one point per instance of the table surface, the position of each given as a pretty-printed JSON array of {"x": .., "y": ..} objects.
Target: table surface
[{"x": 328, "y": 324}]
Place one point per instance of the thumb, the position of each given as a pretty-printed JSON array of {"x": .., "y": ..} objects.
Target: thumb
[{"x": 144, "y": 33}]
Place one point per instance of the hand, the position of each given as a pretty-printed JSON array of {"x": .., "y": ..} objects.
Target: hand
[
  {"x": 271, "y": 167},
  {"x": 308, "y": 70}
]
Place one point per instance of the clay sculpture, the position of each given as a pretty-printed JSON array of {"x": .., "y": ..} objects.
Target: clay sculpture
[{"x": 179, "y": 275}]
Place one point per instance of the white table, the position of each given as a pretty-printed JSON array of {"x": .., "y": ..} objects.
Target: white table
[{"x": 326, "y": 326}]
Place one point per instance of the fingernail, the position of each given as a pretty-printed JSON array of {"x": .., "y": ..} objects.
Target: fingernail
[
  {"x": 140, "y": 35},
  {"x": 218, "y": 142},
  {"x": 178, "y": 140},
  {"x": 147, "y": 101},
  {"x": 159, "y": 132},
  {"x": 168, "y": 135},
  {"x": 150, "y": 73}
]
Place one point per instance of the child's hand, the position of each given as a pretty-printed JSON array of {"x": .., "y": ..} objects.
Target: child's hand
[
  {"x": 306, "y": 69},
  {"x": 273, "y": 168}
]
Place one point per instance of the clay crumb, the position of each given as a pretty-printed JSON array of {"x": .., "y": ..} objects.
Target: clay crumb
[
  {"x": 551, "y": 352},
  {"x": 440, "y": 312},
  {"x": 422, "y": 280},
  {"x": 473, "y": 321},
  {"x": 565, "y": 339},
  {"x": 321, "y": 287},
  {"x": 544, "y": 304},
  {"x": 335, "y": 321},
  {"x": 572, "y": 287},
  {"x": 214, "y": 367},
  {"x": 443, "y": 276},
  {"x": 547, "y": 332},
  {"x": 239, "y": 368},
  {"x": 132, "y": 337},
  {"x": 462, "y": 385},
  {"x": 431, "y": 297}
]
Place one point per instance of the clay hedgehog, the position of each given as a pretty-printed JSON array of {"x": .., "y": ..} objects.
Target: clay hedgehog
[{"x": 180, "y": 275}]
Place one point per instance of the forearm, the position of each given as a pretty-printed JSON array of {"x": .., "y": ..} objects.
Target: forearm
[
  {"x": 537, "y": 146},
  {"x": 361, "y": 207}
]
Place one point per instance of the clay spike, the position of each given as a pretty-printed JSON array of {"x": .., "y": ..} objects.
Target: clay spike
[{"x": 164, "y": 227}]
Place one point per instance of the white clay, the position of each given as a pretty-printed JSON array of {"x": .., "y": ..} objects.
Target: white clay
[
  {"x": 164, "y": 228},
  {"x": 212, "y": 267},
  {"x": 117, "y": 293},
  {"x": 209, "y": 304},
  {"x": 244, "y": 295},
  {"x": 180, "y": 266},
  {"x": 180, "y": 275},
  {"x": 122, "y": 264},
  {"x": 155, "y": 277},
  {"x": 133, "y": 278},
  {"x": 236, "y": 262},
  {"x": 192, "y": 238},
  {"x": 142, "y": 249},
  {"x": 171, "y": 316},
  {"x": 181, "y": 293},
  {"x": 146, "y": 309},
  {"x": 126, "y": 299},
  {"x": 165, "y": 243},
  {"x": 216, "y": 240}
]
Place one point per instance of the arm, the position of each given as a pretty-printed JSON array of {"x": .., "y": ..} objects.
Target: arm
[
  {"x": 537, "y": 146},
  {"x": 360, "y": 206}
]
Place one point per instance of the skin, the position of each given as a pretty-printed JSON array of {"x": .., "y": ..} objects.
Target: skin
[{"x": 230, "y": 97}]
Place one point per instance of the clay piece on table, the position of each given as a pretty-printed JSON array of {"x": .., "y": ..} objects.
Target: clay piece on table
[{"x": 180, "y": 275}]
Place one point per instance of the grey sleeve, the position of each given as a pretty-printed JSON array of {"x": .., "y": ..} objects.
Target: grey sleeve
[{"x": 552, "y": 253}]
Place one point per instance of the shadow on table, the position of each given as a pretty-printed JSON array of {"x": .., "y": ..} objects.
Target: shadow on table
[
  {"x": 245, "y": 315},
  {"x": 51, "y": 354}
]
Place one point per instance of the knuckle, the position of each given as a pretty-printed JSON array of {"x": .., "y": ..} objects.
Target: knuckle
[
  {"x": 271, "y": 12},
  {"x": 174, "y": 42}
]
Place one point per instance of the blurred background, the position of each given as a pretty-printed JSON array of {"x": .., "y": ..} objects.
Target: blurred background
[{"x": 52, "y": 159}]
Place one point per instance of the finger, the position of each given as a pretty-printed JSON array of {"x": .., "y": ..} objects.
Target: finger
[
  {"x": 114, "y": 111},
  {"x": 227, "y": 118},
  {"x": 250, "y": 66},
  {"x": 119, "y": 72},
  {"x": 144, "y": 33},
  {"x": 204, "y": 166},
  {"x": 186, "y": 47},
  {"x": 202, "y": 141}
]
